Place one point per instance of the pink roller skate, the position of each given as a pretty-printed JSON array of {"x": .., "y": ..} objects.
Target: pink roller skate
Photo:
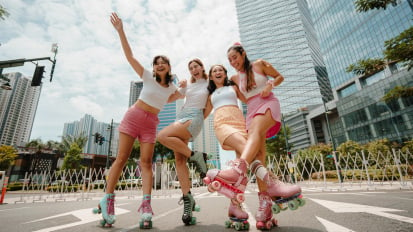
[
  {"x": 231, "y": 182},
  {"x": 106, "y": 206},
  {"x": 146, "y": 214},
  {"x": 264, "y": 213},
  {"x": 286, "y": 195},
  {"x": 238, "y": 218}
]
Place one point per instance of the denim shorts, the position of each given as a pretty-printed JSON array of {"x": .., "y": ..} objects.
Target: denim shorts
[{"x": 197, "y": 120}]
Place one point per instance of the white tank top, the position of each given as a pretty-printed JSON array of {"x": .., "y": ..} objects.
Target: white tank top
[
  {"x": 224, "y": 96},
  {"x": 196, "y": 94},
  {"x": 260, "y": 83}
]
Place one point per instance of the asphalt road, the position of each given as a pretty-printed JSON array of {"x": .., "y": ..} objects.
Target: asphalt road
[{"x": 361, "y": 211}]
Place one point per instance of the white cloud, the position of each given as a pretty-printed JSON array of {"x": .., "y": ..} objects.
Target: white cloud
[{"x": 92, "y": 76}]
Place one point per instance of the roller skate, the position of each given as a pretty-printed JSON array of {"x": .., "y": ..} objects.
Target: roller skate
[
  {"x": 189, "y": 207},
  {"x": 106, "y": 206},
  {"x": 284, "y": 196},
  {"x": 264, "y": 214},
  {"x": 146, "y": 214},
  {"x": 231, "y": 182},
  {"x": 199, "y": 159},
  {"x": 238, "y": 219}
]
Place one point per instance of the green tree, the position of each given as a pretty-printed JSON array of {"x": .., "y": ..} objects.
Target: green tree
[
  {"x": 277, "y": 145},
  {"x": 349, "y": 148},
  {"x": 7, "y": 156},
  {"x": 68, "y": 140},
  {"x": 73, "y": 158},
  {"x": 400, "y": 48},
  {"x": 36, "y": 144},
  {"x": 366, "y": 5},
  {"x": 397, "y": 49},
  {"x": 3, "y": 13},
  {"x": 367, "y": 67}
]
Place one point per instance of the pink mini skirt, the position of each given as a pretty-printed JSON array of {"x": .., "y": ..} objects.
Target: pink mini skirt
[{"x": 257, "y": 105}]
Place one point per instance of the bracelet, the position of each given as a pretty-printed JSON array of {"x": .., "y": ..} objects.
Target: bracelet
[{"x": 271, "y": 82}]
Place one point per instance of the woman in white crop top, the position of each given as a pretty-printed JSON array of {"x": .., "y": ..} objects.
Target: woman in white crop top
[
  {"x": 139, "y": 122},
  {"x": 187, "y": 126},
  {"x": 263, "y": 121}
]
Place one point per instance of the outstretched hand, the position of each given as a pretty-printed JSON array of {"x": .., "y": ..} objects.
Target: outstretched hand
[{"x": 116, "y": 21}]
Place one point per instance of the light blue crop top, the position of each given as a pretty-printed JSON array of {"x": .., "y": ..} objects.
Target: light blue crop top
[{"x": 224, "y": 96}]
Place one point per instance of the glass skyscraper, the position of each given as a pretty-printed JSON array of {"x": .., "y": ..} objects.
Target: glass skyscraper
[
  {"x": 347, "y": 36},
  {"x": 281, "y": 32}
]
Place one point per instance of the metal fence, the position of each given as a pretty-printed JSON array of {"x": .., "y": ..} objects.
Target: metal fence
[{"x": 342, "y": 171}]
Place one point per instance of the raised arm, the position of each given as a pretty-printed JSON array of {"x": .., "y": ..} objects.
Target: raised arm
[{"x": 118, "y": 25}]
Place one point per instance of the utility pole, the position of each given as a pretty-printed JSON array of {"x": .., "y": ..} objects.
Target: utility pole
[{"x": 110, "y": 143}]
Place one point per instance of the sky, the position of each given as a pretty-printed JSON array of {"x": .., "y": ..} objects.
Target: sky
[{"x": 92, "y": 75}]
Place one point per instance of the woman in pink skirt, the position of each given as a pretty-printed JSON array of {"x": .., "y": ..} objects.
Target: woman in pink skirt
[{"x": 263, "y": 121}]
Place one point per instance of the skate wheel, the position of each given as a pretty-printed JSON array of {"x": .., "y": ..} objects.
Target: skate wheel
[
  {"x": 238, "y": 226},
  {"x": 207, "y": 180},
  {"x": 268, "y": 225},
  {"x": 102, "y": 222},
  {"x": 276, "y": 208},
  {"x": 274, "y": 222},
  {"x": 260, "y": 225},
  {"x": 215, "y": 185},
  {"x": 246, "y": 226},
  {"x": 240, "y": 197},
  {"x": 228, "y": 224},
  {"x": 301, "y": 201},
  {"x": 96, "y": 211},
  {"x": 293, "y": 205},
  {"x": 197, "y": 208},
  {"x": 193, "y": 220}
]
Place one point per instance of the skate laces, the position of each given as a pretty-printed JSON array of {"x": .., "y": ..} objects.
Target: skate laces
[
  {"x": 145, "y": 207},
  {"x": 265, "y": 201},
  {"x": 187, "y": 204},
  {"x": 234, "y": 164},
  {"x": 110, "y": 204}
]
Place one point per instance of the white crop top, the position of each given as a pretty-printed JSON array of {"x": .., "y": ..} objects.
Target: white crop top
[
  {"x": 224, "y": 96},
  {"x": 260, "y": 81},
  {"x": 196, "y": 94},
  {"x": 153, "y": 93}
]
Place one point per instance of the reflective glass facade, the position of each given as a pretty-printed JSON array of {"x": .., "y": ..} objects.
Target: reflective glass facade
[
  {"x": 281, "y": 32},
  {"x": 346, "y": 36}
]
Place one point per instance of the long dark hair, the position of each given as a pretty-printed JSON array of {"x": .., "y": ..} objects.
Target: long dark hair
[
  {"x": 247, "y": 65},
  {"x": 169, "y": 77},
  {"x": 199, "y": 62},
  {"x": 211, "y": 85}
]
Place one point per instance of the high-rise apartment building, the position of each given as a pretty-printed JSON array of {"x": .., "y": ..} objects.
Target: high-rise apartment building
[
  {"x": 347, "y": 36},
  {"x": 281, "y": 32},
  {"x": 88, "y": 126},
  {"x": 17, "y": 110}
]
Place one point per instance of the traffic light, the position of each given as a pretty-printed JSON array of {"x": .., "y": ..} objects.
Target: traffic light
[
  {"x": 101, "y": 140},
  {"x": 97, "y": 137},
  {"x": 37, "y": 76}
]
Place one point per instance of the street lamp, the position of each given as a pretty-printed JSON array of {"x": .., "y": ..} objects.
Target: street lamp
[{"x": 326, "y": 112}]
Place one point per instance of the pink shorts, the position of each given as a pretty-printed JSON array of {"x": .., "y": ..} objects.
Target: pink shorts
[
  {"x": 139, "y": 124},
  {"x": 258, "y": 106}
]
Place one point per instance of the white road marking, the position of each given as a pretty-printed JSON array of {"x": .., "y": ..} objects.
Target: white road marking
[
  {"x": 332, "y": 227},
  {"x": 84, "y": 215},
  {"x": 342, "y": 207}
]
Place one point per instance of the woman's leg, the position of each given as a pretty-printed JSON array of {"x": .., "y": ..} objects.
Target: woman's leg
[
  {"x": 176, "y": 137},
  {"x": 125, "y": 147},
  {"x": 146, "y": 167}
]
